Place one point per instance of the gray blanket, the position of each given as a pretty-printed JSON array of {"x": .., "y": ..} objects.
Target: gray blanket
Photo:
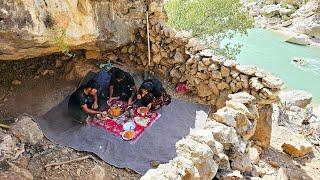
[{"x": 156, "y": 143}]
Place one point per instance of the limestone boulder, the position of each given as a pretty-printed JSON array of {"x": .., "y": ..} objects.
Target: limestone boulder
[
  {"x": 300, "y": 39},
  {"x": 226, "y": 135},
  {"x": 272, "y": 82},
  {"x": 205, "y": 137},
  {"x": 240, "y": 107},
  {"x": 26, "y": 130},
  {"x": 298, "y": 98},
  {"x": 200, "y": 154}
]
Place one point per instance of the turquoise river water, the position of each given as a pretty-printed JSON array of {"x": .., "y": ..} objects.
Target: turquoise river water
[{"x": 266, "y": 49}]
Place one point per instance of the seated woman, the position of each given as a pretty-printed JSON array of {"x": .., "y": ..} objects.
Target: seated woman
[
  {"x": 151, "y": 94},
  {"x": 122, "y": 86},
  {"x": 84, "y": 102}
]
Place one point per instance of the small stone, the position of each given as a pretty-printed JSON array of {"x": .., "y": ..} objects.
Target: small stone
[
  {"x": 206, "y": 53},
  {"x": 235, "y": 175},
  {"x": 223, "y": 85},
  {"x": 241, "y": 162},
  {"x": 274, "y": 164},
  {"x": 254, "y": 154},
  {"x": 272, "y": 82},
  {"x": 179, "y": 58},
  {"x": 96, "y": 173},
  {"x": 240, "y": 107},
  {"x": 229, "y": 63},
  {"x": 225, "y": 72},
  {"x": 248, "y": 70},
  {"x": 203, "y": 76},
  {"x": 216, "y": 75},
  {"x": 16, "y": 82},
  {"x": 7, "y": 145},
  {"x": 154, "y": 163},
  {"x": 213, "y": 67},
  {"x": 203, "y": 90},
  {"x": 45, "y": 72},
  {"x": 256, "y": 83},
  {"x": 297, "y": 150},
  {"x": 242, "y": 97},
  {"x": 207, "y": 61}
]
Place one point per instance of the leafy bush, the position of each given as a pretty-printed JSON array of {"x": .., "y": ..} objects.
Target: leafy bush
[{"x": 212, "y": 21}]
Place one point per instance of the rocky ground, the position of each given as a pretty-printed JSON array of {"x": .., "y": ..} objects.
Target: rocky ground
[
  {"x": 34, "y": 87},
  {"x": 299, "y": 20}
]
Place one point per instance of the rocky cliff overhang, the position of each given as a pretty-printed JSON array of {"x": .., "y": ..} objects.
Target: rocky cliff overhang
[{"x": 28, "y": 27}]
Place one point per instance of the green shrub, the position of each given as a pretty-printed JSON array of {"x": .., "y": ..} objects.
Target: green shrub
[{"x": 212, "y": 21}]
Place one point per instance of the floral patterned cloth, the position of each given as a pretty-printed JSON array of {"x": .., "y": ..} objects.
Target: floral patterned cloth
[{"x": 115, "y": 125}]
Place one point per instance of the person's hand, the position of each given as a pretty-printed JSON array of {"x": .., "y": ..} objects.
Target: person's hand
[
  {"x": 138, "y": 96},
  {"x": 111, "y": 99},
  {"x": 149, "y": 106},
  {"x": 95, "y": 106}
]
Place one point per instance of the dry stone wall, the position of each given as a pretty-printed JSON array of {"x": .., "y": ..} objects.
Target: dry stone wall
[
  {"x": 181, "y": 58},
  {"x": 223, "y": 148}
]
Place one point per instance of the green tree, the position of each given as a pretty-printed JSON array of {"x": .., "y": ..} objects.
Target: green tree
[
  {"x": 212, "y": 21},
  {"x": 59, "y": 41}
]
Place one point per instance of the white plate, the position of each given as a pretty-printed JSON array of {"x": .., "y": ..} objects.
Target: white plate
[
  {"x": 142, "y": 121},
  {"x": 129, "y": 126},
  {"x": 128, "y": 139}
]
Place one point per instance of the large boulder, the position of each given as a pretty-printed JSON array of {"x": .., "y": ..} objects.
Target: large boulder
[
  {"x": 300, "y": 39},
  {"x": 271, "y": 10},
  {"x": 26, "y": 130},
  {"x": 201, "y": 156},
  {"x": 298, "y": 98}
]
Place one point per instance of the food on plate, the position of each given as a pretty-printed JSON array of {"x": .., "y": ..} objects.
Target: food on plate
[
  {"x": 115, "y": 111},
  {"x": 143, "y": 110},
  {"x": 128, "y": 135},
  {"x": 142, "y": 121}
]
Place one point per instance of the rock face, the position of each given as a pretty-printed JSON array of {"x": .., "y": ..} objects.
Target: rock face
[
  {"x": 26, "y": 130},
  {"x": 298, "y": 98},
  {"x": 28, "y": 28}
]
